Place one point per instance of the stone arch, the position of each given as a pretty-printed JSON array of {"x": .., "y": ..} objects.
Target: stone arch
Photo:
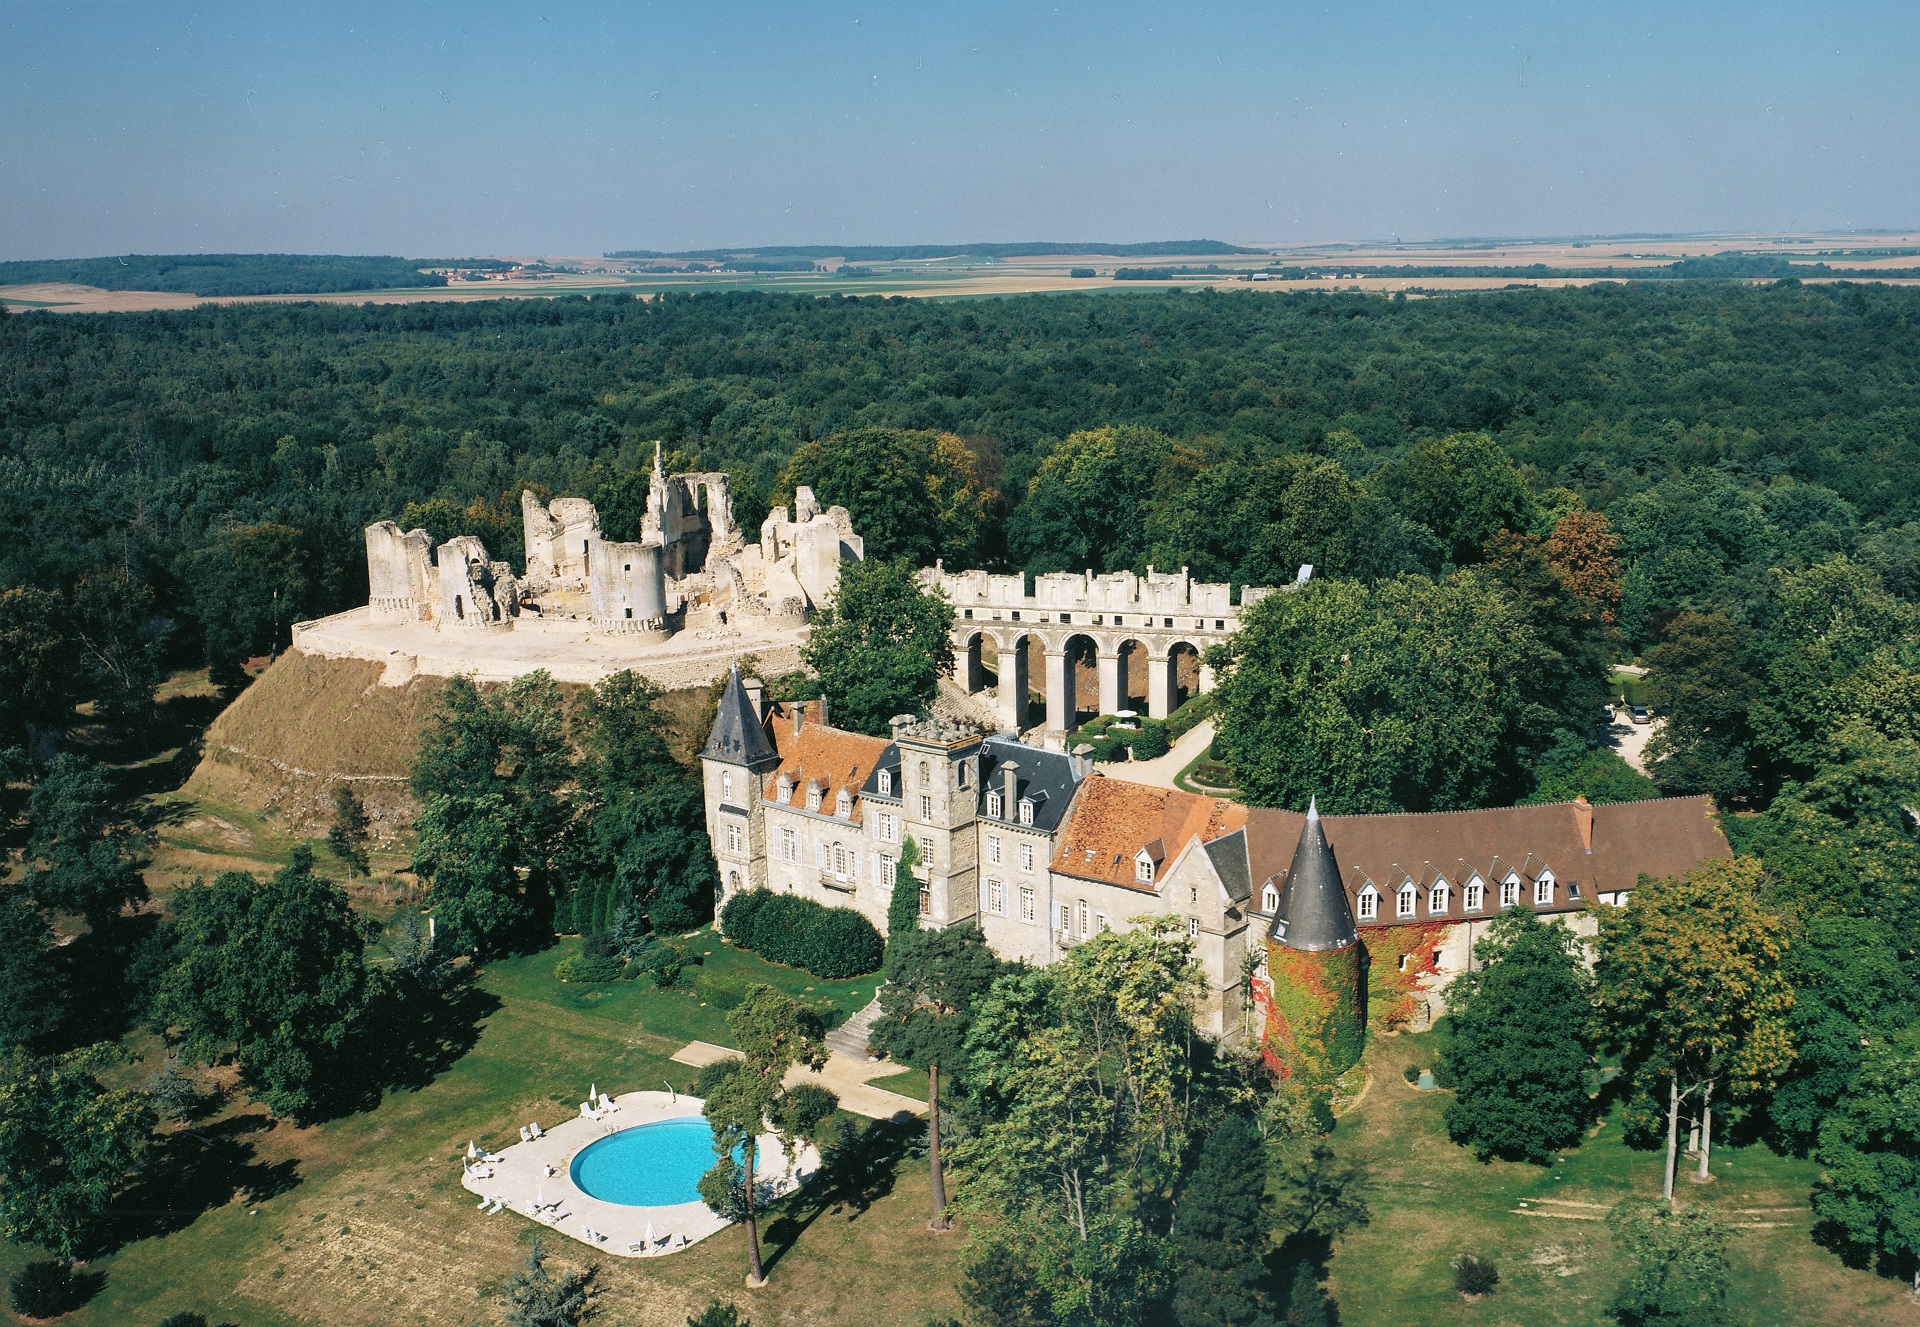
[
  {"x": 1015, "y": 673},
  {"x": 1077, "y": 684},
  {"x": 969, "y": 662},
  {"x": 1131, "y": 657},
  {"x": 1173, "y": 678}
]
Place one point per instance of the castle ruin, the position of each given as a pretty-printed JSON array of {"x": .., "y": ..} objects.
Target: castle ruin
[{"x": 690, "y": 569}]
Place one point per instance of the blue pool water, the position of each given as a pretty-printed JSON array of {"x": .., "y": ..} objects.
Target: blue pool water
[{"x": 649, "y": 1165}]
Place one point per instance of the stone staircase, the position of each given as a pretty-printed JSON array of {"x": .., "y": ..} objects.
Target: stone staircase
[{"x": 850, "y": 1038}]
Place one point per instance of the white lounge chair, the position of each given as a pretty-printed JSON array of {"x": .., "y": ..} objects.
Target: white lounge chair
[
  {"x": 525, "y": 1137},
  {"x": 536, "y": 1130},
  {"x": 482, "y": 1203},
  {"x": 587, "y": 1112}
]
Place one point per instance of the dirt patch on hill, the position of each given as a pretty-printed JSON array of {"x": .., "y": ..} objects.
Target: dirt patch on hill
[{"x": 310, "y": 723}]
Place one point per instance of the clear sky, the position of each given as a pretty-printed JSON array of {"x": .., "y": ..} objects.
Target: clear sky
[{"x": 430, "y": 129}]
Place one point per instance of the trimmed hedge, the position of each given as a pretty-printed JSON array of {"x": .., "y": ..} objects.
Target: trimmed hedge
[
  {"x": 1190, "y": 716},
  {"x": 1151, "y": 740},
  {"x": 784, "y": 928}
]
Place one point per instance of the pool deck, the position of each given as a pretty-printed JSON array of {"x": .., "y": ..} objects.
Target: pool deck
[
  {"x": 519, "y": 1177},
  {"x": 848, "y": 1078}
]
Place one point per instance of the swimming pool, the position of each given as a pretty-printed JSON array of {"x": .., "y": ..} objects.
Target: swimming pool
[{"x": 649, "y": 1165}]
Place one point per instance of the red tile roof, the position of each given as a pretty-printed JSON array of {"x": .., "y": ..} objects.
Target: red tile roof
[
  {"x": 1113, "y": 819},
  {"x": 833, "y": 757}
]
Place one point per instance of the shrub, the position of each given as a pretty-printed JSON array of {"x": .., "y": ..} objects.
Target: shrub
[
  {"x": 583, "y": 969},
  {"x": 802, "y": 1108},
  {"x": 598, "y": 944},
  {"x": 1189, "y": 716},
  {"x": 722, "y": 992},
  {"x": 716, "y": 1314},
  {"x": 46, "y": 1290},
  {"x": 828, "y": 942},
  {"x": 737, "y": 917},
  {"x": 1151, "y": 740},
  {"x": 1411, "y": 1073},
  {"x": 186, "y": 1320},
  {"x": 711, "y": 1076},
  {"x": 1473, "y": 1275},
  {"x": 665, "y": 963}
]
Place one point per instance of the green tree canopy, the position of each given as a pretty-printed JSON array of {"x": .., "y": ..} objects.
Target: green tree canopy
[
  {"x": 1521, "y": 1047},
  {"x": 1463, "y": 487},
  {"x": 1221, "y": 1233},
  {"x": 1870, "y": 1150},
  {"x": 273, "y": 971},
  {"x": 1086, "y": 505},
  {"x": 1679, "y": 1273},
  {"x": 880, "y": 647},
  {"x": 88, "y": 856},
  {"x": 912, "y": 494},
  {"x": 492, "y": 825},
  {"x": 67, "y": 1146},
  {"x": 32, "y": 995},
  {"x": 1402, "y": 696},
  {"x": 40, "y": 667},
  {"x": 645, "y": 811},
  {"x": 934, "y": 978},
  {"x": 249, "y": 587}
]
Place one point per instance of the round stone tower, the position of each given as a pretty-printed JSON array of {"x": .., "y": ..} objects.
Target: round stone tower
[{"x": 1317, "y": 1022}]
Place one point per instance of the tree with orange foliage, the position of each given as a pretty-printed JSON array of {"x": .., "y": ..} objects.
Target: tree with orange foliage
[
  {"x": 1584, "y": 553},
  {"x": 1692, "y": 990}
]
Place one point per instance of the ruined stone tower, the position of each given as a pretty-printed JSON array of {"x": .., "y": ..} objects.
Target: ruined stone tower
[{"x": 1317, "y": 1022}]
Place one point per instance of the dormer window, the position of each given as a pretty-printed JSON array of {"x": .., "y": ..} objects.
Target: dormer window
[
  {"x": 994, "y": 805},
  {"x": 1476, "y": 895},
  {"x": 1269, "y": 900},
  {"x": 1437, "y": 900},
  {"x": 1026, "y": 810},
  {"x": 885, "y": 784},
  {"x": 1143, "y": 867},
  {"x": 813, "y": 797},
  {"x": 1404, "y": 900},
  {"x": 1369, "y": 900},
  {"x": 1543, "y": 891},
  {"x": 843, "y": 805},
  {"x": 1509, "y": 893}
]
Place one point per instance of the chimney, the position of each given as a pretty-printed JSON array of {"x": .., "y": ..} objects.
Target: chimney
[
  {"x": 756, "y": 696},
  {"x": 1583, "y": 817},
  {"x": 1010, "y": 770},
  {"x": 820, "y": 715},
  {"x": 799, "y": 715},
  {"x": 899, "y": 722}
]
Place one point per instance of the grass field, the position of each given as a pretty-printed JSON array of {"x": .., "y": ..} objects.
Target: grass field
[
  {"x": 362, "y": 1220},
  {"x": 1542, "y": 1226}
]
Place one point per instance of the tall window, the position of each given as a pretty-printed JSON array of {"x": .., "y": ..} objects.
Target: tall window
[
  {"x": 926, "y": 900},
  {"x": 1403, "y": 902},
  {"x": 926, "y": 808},
  {"x": 1369, "y": 903},
  {"x": 813, "y": 797},
  {"x": 993, "y": 805},
  {"x": 883, "y": 869},
  {"x": 789, "y": 846},
  {"x": 1269, "y": 900},
  {"x": 1026, "y": 905},
  {"x": 733, "y": 838},
  {"x": 1437, "y": 900},
  {"x": 1083, "y": 916},
  {"x": 1099, "y": 921},
  {"x": 726, "y": 784},
  {"x": 1543, "y": 891},
  {"x": 1026, "y": 857},
  {"x": 926, "y": 852},
  {"x": 885, "y": 783},
  {"x": 996, "y": 898},
  {"x": 889, "y": 828},
  {"x": 820, "y": 855},
  {"x": 926, "y": 775},
  {"x": 843, "y": 805},
  {"x": 993, "y": 849},
  {"x": 840, "y": 860},
  {"x": 1509, "y": 893},
  {"x": 1193, "y": 928},
  {"x": 1476, "y": 896},
  {"x": 1143, "y": 868},
  {"x": 1026, "y": 811}
]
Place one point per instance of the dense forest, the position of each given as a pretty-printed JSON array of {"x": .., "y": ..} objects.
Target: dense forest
[{"x": 226, "y": 274}]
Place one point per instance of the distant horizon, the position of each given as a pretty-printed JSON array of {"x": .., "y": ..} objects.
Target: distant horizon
[{"x": 1054, "y": 248}]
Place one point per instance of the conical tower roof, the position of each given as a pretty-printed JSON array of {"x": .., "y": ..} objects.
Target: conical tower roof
[
  {"x": 1313, "y": 912},
  {"x": 737, "y": 736}
]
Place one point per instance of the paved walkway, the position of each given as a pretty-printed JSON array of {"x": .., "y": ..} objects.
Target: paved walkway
[
  {"x": 519, "y": 1179},
  {"x": 846, "y": 1076},
  {"x": 1630, "y": 740},
  {"x": 1159, "y": 771}
]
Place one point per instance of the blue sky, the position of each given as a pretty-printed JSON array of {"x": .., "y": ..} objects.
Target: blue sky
[{"x": 442, "y": 129}]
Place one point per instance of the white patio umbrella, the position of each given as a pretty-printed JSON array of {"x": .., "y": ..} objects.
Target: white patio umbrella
[
  {"x": 472, "y": 1151},
  {"x": 649, "y": 1237}
]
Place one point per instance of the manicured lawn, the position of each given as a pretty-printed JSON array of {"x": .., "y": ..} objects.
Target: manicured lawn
[
  {"x": 362, "y": 1220},
  {"x": 1433, "y": 1201}
]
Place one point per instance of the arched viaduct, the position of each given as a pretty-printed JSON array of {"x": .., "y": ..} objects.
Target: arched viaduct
[{"x": 1073, "y": 616}]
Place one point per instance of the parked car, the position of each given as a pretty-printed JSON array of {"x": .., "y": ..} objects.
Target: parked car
[
  {"x": 1638, "y": 713},
  {"x": 1606, "y": 716}
]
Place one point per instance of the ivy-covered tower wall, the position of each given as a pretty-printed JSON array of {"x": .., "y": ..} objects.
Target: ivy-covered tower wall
[{"x": 1316, "y": 966}]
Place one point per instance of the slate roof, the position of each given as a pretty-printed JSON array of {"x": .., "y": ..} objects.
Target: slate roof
[
  {"x": 1228, "y": 854},
  {"x": 1113, "y": 819},
  {"x": 738, "y": 736},
  {"x": 1314, "y": 913},
  {"x": 1662, "y": 837},
  {"x": 1046, "y": 777}
]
